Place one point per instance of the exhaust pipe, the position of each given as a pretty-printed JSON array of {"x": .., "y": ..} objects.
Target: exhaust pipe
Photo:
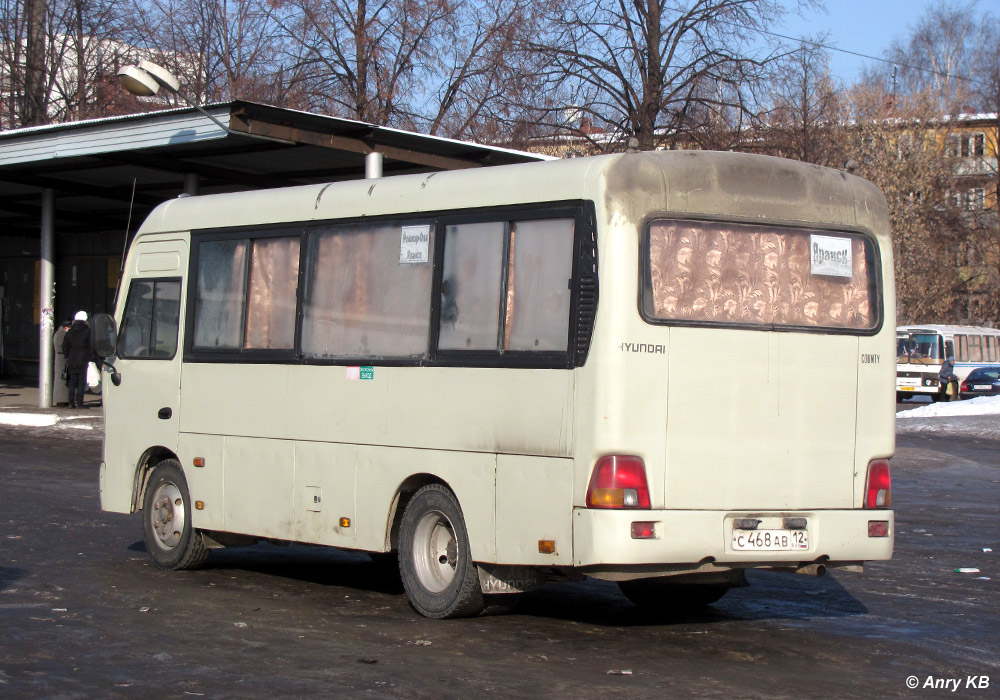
[{"x": 812, "y": 570}]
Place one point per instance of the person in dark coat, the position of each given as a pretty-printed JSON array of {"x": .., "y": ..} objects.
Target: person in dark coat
[
  {"x": 949, "y": 379},
  {"x": 76, "y": 348}
]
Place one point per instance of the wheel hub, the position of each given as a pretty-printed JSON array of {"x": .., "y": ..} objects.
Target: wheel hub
[{"x": 167, "y": 517}]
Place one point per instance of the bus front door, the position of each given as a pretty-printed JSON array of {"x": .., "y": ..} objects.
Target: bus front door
[{"x": 141, "y": 413}]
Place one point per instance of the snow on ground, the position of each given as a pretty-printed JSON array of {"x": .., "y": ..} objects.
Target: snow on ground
[
  {"x": 89, "y": 423},
  {"x": 35, "y": 420},
  {"x": 981, "y": 406},
  {"x": 975, "y": 418}
]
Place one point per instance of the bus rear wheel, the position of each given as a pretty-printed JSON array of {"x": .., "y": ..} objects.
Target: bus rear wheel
[
  {"x": 166, "y": 519},
  {"x": 435, "y": 561}
]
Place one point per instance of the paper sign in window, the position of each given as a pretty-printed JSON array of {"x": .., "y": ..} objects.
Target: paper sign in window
[
  {"x": 414, "y": 244},
  {"x": 831, "y": 256}
]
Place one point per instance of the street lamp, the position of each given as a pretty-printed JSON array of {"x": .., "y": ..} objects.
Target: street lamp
[{"x": 146, "y": 79}]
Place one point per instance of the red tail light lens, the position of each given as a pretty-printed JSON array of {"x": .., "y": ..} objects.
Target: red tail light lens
[
  {"x": 878, "y": 490},
  {"x": 618, "y": 482}
]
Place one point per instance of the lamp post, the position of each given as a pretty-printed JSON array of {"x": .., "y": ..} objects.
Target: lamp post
[{"x": 146, "y": 79}]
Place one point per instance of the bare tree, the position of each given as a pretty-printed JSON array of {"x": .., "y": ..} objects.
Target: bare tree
[
  {"x": 806, "y": 113},
  {"x": 940, "y": 54},
  {"x": 642, "y": 68},
  {"x": 220, "y": 49},
  {"x": 892, "y": 146},
  {"x": 54, "y": 54},
  {"x": 477, "y": 83},
  {"x": 362, "y": 59}
]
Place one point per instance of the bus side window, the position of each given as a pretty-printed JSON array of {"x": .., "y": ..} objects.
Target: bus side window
[
  {"x": 963, "y": 348},
  {"x": 149, "y": 327},
  {"x": 520, "y": 303},
  {"x": 470, "y": 289},
  {"x": 360, "y": 299},
  {"x": 975, "y": 348},
  {"x": 274, "y": 280},
  {"x": 219, "y": 294},
  {"x": 538, "y": 290},
  {"x": 949, "y": 349}
]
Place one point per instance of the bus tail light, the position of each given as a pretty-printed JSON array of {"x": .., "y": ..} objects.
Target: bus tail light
[
  {"x": 618, "y": 482},
  {"x": 878, "y": 491}
]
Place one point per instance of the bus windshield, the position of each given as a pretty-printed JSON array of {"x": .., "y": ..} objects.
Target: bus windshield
[{"x": 919, "y": 348}]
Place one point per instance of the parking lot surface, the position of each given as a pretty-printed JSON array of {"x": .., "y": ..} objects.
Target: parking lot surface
[{"x": 85, "y": 614}]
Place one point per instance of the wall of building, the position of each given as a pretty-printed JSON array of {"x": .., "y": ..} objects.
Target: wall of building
[{"x": 87, "y": 273}]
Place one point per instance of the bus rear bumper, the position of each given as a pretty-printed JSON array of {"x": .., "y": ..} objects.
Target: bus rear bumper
[{"x": 604, "y": 538}]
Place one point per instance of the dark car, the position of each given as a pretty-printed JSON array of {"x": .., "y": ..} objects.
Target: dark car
[{"x": 982, "y": 381}]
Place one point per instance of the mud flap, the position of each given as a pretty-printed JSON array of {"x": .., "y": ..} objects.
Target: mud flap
[{"x": 499, "y": 578}]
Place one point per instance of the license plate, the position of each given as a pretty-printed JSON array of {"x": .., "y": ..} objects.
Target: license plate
[
  {"x": 982, "y": 387},
  {"x": 906, "y": 388},
  {"x": 770, "y": 540}
]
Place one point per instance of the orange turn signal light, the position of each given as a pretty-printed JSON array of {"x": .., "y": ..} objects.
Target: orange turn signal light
[
  {"x": 199, "y": 461},
  {"x": 345, "y": 522},
  {"x": 199, "y": 505},
  {"x": 547, "y": 546}
]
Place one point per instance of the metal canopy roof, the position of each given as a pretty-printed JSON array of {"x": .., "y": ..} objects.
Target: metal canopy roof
[{"x": 104, "y": 171}]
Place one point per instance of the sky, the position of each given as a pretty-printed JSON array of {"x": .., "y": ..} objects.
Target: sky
[{"x": 862, "y": 26}]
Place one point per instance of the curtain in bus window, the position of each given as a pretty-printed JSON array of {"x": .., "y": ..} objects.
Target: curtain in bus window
[
  {"x": 744, "y": 273},
  {"x": 274, "y": 278},
  {"x": 470, "y": 287},
  {"x": 538, "y": 292},
  {"x": 218, "y": 311},
  {"x": 360, "y": 300}
]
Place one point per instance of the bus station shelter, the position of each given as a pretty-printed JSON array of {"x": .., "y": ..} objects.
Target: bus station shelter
[{"x": 72, "y": 196}]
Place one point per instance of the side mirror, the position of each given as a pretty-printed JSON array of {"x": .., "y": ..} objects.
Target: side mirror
[{"x": 104, "y": 333}]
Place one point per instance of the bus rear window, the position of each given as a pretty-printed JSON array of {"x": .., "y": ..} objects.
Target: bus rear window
[{"x": 762, "y": 275}]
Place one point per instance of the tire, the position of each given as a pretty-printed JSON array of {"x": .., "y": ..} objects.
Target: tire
[
  {"x": 166, "y": 520},
  {"x": 435, "y": 561},
  {"x": 662, "y": 597}
]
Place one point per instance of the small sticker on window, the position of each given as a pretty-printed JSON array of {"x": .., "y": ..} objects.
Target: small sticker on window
[
  {"x": 414, "y": 244},
  {"x": 359, "y": 373},
  {"x": 831, "y": 256}
]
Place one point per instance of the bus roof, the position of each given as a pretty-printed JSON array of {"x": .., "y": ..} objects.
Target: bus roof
[{"x": 677, "y": 183}]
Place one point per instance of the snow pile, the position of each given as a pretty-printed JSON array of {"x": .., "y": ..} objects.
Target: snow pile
[
  {"x": 982, "y": 406},
  {"x": 33, "y": 420},
  {"x": 974, "y": 418}
]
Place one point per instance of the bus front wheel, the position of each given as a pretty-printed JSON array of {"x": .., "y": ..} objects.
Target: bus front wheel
[
  {"x": 166, "y": 519},
  {"x": 435, "y": 561}
]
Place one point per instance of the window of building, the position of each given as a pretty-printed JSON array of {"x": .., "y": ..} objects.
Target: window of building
[
  {"x": 966, "y": 145},
  {"x": 975, "y": 199}
]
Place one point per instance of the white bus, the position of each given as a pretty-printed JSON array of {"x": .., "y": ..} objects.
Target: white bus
[
  {"x": 921, "y": 350},
  {"x": 597, "y": 367}
]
